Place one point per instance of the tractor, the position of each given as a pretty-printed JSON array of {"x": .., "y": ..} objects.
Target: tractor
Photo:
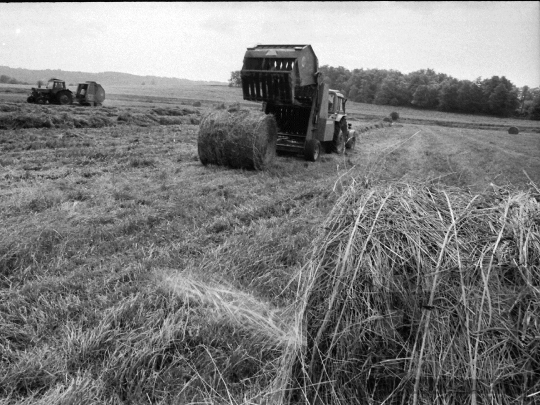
[
  {"x": 88, "y": 93},
  {"x": 310, "y": 117},
  {"x": 54, "y": 93}
]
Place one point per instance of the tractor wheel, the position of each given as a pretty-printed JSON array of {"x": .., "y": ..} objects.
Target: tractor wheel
[
  {"x": 30, "y": 99},
  {"x": 340, "y": 131},
  {"x": 312, "y": 150},
  {"x": 339, "y": 143},
  {"x": 40, "y": 100},
  {"x": 64, "y": 98},
  {"x": 351, "y": 143}
]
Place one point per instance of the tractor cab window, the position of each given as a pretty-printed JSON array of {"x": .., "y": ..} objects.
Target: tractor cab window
[
  {"x": 50, "y": 85},
  {"x": 331, "y": 101},
  {"x": 339, "y": 104},
  {"x": 59, "y": 85}
]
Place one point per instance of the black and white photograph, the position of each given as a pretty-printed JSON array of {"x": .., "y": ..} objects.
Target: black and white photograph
[{"x": 270, "y": 203}]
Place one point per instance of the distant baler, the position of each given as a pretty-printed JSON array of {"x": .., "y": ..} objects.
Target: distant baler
[{"x": 90, "y": 93}]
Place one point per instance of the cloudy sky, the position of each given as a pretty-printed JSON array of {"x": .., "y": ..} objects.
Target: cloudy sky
[{"x": 206, "y": 41}]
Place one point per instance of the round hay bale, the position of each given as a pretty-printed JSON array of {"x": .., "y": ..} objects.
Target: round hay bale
[
  {"x": 386, "y": 119},
  {"x": 513, "y": 130},
  {"x": 394, "y": 115},
  {"x": 394, "y": 296},
  {"x": 197, "y": 104},
  {"x": 243, "y": 140}
]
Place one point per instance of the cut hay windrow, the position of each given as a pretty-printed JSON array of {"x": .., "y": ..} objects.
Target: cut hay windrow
[
  {"x": 419, "y": 295},
  {"x": 244, "y": 139}
]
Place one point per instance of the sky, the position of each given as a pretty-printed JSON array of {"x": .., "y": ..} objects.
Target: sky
[{"x": 208, "y": 40}]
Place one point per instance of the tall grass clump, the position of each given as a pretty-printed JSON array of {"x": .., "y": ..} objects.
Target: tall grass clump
[
  {"x": 419, "y": 295},
  {"x": 244, "y": 139}
]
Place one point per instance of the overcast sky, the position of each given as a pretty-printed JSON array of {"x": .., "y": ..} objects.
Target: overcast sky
[{"x": 206, "y": 41}]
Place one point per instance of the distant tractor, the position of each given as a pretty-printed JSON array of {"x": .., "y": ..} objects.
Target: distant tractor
[
  {"x": 88, "y": 93},
  {"x": 54, "y": 93}
]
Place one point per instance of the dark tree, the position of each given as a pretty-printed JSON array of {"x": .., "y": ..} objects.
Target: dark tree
[
  {"x": 393, "y": 90},
  {"x": 235, "y": 80},
  {"x": 534, "y": 111},
  {"x": 448, "y": 95},
  {"x": 426, "y": 96}
]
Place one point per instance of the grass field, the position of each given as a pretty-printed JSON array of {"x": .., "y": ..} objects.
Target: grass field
[{"x": 131, "y": 273}]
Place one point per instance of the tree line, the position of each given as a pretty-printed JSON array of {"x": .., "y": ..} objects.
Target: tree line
[
  {"x": 427, "y": 89},
  {"x": 10, "y": 80}
]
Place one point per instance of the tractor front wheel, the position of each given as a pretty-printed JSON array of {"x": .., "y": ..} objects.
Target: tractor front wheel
[
  {"x": 40, "y": 100},
  {"x": 64, "y": 98},
  {"x": 339, "y": 143},
  {"x": 351, "y": 142},
  {"x": 30, "y": 99},
  {"x": 312, "y": 150},
  {"x": 340, "y": 131}
]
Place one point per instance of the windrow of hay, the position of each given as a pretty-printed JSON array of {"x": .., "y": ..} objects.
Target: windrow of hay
[
  {"x": 243, "y": 139},
  {"x": 419, "y": 295}
]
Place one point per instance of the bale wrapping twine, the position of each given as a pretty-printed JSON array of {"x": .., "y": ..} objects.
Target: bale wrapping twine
[
  {"x": 243, "y": 139},
  {"x": 419, "y": 295}
]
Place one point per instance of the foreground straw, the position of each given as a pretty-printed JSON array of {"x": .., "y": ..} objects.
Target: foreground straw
[{"x": 415, "y": 294}]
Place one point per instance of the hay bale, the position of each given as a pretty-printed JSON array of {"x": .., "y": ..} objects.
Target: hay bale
[
  {"x": 246, "y": 139},
  {"x": 513, "y": 130},
  {"x": 197, "y": 104},
  {"x": 394, "y": 115},
  {"x": 413, "y": 294}
]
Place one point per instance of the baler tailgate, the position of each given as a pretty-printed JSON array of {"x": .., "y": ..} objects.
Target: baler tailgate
[{"x": 267, "y": 86}]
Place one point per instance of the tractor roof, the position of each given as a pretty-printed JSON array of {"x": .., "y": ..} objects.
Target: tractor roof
[{"x": 336, "y": 92}]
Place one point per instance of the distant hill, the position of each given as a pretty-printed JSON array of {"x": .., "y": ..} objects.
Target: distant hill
[{"x": 105, "y": 78}]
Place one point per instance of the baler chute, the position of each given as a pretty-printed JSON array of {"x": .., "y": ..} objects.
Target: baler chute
[{"x": 279, "y": 73}]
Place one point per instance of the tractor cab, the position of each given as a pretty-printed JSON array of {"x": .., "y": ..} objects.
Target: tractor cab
[
  {"x": 56, "y": 85},
  {"x": 336, "y": 102}
]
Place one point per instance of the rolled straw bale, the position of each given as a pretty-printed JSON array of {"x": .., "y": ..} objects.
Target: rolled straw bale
[
  {"x": 513, "y": 130},
  {"x": 415, "y": 293},
  {"x": 244, "y": 139}
]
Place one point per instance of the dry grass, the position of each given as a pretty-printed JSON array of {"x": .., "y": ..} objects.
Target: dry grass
[
  {"x": 21, "y": 116},
  {"x": 130, "y": 273},
  {"x": 415, "y": 294}
]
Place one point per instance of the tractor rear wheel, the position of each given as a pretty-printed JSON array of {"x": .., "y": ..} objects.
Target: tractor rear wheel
[
  {"x": 312, "y": 150},
  {"x": 64, "y": 98}
]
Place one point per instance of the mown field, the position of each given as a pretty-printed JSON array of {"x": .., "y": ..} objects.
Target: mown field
[{"x": 130, "y": 273}]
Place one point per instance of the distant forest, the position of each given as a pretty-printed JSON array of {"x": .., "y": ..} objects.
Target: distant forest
[
  {"x": 10, "y": 80},
  {"x": 429, "y": 90},
  {"x": 426, "y": 89}
]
